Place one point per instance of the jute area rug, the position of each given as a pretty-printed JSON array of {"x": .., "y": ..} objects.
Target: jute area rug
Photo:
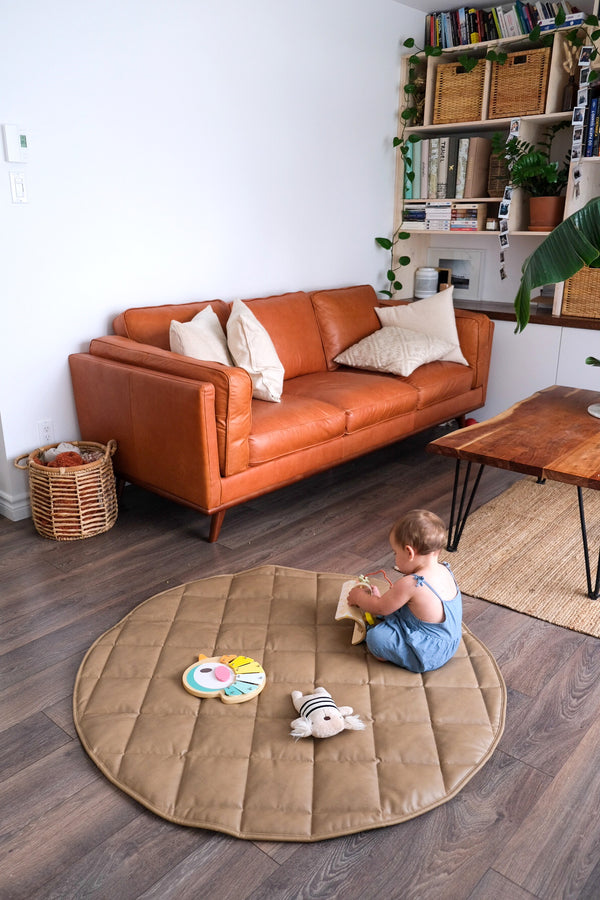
[{"x": 524, "y": 550}]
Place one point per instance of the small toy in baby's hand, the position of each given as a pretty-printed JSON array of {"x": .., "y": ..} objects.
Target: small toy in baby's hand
[
  {"x": 320, "y": 716},
  {"x": 360, "y": 617},
  {"x": 232, "y": 678}
]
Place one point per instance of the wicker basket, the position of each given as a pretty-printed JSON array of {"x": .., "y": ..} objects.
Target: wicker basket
[
  {"x": 519, "y": 86},
  {"x": 458, "y": 93},
  {"x": 581, "y": 294},
  {"x": 75, "y": 502}
]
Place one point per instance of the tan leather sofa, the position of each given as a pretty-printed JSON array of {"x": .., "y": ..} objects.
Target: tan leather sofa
[{"x": 191, "y": 431}]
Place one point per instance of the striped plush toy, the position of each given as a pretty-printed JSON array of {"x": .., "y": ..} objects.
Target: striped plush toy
[{"x": 320, "y": 716}]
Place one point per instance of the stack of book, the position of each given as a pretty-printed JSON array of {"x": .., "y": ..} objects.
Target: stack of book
[
  {"x": 444, "y": 216},
  {"x": 463, "y": 26},
  {"x": 449, "y": 167}
]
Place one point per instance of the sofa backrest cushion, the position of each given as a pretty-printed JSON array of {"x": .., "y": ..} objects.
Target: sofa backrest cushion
[
  {"x": 290, "y": 321},
  {"x": 150, "y": 324},
  {"x": 344, "y": 317}
]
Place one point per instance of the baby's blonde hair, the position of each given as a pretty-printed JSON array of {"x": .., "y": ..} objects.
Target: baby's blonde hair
[{"x": 420, "y": 529}]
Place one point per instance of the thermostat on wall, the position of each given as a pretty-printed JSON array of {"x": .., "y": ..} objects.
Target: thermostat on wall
[{"x": 15, "y": 143}]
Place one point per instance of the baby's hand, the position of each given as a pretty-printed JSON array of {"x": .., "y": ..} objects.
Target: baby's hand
[{"x": 357, "y": 595}]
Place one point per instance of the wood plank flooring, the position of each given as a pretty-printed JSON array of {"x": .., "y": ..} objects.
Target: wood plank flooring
[{"x": 526, "y": 826}]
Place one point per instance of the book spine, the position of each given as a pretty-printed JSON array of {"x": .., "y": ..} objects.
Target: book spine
[
  {"x": 452, "y": 165},
  {"x": 434, "y": 148},
  {"x": 442, "y": 176},
  {"x": 416, "y": 168},
  {"x": 461, "y": 167},
  {"x": 425, "y": 168},
  {"x": 591, "y": 127}
]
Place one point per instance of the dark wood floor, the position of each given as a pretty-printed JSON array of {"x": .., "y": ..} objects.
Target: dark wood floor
[{"x": 527, "y": 825}]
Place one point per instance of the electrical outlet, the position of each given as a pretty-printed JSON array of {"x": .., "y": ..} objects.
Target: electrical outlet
[{"x": 45, "y": 432}]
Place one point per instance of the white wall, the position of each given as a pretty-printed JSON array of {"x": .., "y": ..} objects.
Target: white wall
[{"x": 182, "y": 149}]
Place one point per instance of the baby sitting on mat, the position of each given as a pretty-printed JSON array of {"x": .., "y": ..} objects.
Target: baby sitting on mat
[{"x": 422, "y": 612}]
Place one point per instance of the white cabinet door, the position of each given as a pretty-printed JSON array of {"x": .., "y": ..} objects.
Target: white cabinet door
[{"x": 521, "y": 364}]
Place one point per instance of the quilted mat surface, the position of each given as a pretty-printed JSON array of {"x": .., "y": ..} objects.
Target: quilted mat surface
[{"x": 234, "y": 768}]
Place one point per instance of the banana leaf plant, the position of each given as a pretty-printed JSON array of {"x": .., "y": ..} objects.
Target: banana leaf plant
[{"x": 573, "y": 244}]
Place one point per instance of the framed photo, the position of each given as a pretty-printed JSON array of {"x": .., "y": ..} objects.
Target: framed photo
[{"x": 465, "y": 266}]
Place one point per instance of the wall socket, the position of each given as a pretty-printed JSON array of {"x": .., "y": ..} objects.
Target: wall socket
[{"x": 45, "y": 432}]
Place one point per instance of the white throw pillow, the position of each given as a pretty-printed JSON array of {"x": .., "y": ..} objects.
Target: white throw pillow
[
  {"x": 392, "y": 349},
  {"x": 252, "y": 349},
  {"x": 202, "y": 338},
  {"x": 433, "y": 315}
]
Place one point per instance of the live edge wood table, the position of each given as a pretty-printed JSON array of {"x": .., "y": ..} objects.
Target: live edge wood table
[{"x": 550, "y": 435}]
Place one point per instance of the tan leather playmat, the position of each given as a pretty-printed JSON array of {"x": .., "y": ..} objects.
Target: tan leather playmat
[{"x": 235, "y": 768}]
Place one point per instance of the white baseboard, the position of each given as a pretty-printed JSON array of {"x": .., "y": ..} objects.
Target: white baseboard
[{"x": 15, "y": 508}]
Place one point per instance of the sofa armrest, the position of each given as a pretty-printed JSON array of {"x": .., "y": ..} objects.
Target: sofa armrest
[
  {"x": 164, "y": 426},
  {"x": 232, "y": 391},
  {"x": 475, "y": 332}
]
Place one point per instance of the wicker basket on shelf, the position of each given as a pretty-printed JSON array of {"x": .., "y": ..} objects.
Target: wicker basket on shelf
[
  {"x": 581, "y": 294},
  {"x": 73, "y": 502},
  {"x": 519, "y": 86},
  {"x": 458, "y": 93}
]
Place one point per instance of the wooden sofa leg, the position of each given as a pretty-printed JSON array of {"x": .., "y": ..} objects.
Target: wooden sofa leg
[{"x": 215, "y": 526}]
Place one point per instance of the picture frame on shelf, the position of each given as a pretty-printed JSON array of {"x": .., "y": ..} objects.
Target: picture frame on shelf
[{"x": 465, "y": 266}]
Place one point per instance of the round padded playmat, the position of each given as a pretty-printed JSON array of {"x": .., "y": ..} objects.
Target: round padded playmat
[{"x": 233, "y": 766}]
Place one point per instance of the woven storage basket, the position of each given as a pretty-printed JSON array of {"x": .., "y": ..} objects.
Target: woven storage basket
[
  {"x": 581, "y": 294},
  {"x": 458, "y": 93},
  {"x": 519, "y": 86},
  {"x": 74, "y": 502}
]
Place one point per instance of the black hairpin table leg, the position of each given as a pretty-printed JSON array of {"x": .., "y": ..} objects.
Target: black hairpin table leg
[
  {"x": 592, "y": 593},
  {"x": 458, "y": 518}
]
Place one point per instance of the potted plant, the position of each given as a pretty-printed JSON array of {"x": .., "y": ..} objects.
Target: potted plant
[{"x": 531, "y": 168}]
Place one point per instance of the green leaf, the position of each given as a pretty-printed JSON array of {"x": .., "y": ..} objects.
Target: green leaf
[
  {"x": 410, "y": 176},
  {"x": 410, "y": 89},
  {"x": 397, "y": 285},
  {"x": 384, "y": 242},
  {"x": 593, "y": 75},
  {"x": 408, "y": 113},
  {"x": 387, "y": 293},
  {"x": 573, "y": 244},
  {"x": 414, "y": 138},
  {"x": 396, "y": 142},
  {"x": 535, "y": 33},
  {"x": 433, "y": 51},
  {"x": 404, "y": 235},
  {"x": 391, "y": 275},
  {"x": 409, "y": 42},
  {"x": 591, "y": 20},
  {"x": 413, "y": 60},
  {"x": 403, "y": 260},
  {"x": 592, "y": 361},
  {"x": 560, "y": 17}
]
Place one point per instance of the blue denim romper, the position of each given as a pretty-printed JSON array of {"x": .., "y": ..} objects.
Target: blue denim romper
[{"x": 403, "y": 639}]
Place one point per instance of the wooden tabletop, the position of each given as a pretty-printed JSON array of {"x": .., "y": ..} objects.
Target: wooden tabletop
[{"x": 549, "y": 435}]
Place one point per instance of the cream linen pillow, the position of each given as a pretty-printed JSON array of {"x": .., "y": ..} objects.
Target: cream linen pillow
[
  {"x": 392, "y": 349},
  {"x": 202, "y": 337},
  {"x": 252, "y": 349},
  {"x": 433, "y": 316}
]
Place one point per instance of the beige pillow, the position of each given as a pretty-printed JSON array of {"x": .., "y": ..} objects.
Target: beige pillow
[
  {"x": 202, "y": 337},
  {"x": 433, "y": 315},
  {"x": 392, "y": 349},
  {"x": 252, "y": 349}
]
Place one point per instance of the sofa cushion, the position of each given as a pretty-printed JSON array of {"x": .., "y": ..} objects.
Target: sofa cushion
[
  {"x": 150, "y": 324},
  {"x": 252, "y": 349},
  {"x": 201, "y": 338},
  {"x": 365, "y": 398},
  {"x": 287, "y": 318},
  {"x": 344, "y": 317},
  {"x": 433, "y": 316},
  {"x": 396, "y": 350},
  {"x": 296, "y": 423},
  {"x": 438, "y": 381}
]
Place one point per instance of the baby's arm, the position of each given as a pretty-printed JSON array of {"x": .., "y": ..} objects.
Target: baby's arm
[{"x": 397, "y": 596}]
